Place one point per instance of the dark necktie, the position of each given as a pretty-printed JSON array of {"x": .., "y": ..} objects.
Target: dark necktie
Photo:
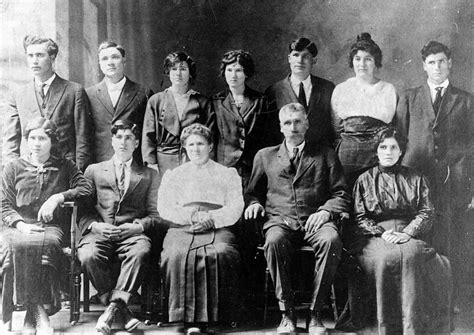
[
  {"x": 294, "y": 160},
  {"x": 302, "y": 96},
  {"x": 438, "y": 99},
  {"x": 121, "y": 179},
  {"x": 41, "y": 91}
]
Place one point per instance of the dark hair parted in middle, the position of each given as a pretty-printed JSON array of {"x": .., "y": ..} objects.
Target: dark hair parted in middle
[
  {"x": 125, "y": 124},
  {"x": 110, "y": 44},
  {"x": 241, "y": 57},
  {"x": 196, "y": 129},
  {"x": 393, "y": 133},
  {"x": 178, "y": 57},
  {"x": 365, "y": 43},
  {"x": 50, "y": 129}
]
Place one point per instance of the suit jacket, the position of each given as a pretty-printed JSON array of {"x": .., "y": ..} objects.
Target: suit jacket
[
  {"x": 440, "y": 147},
  {"x": 69, "y": 108},
  {"x": 130, "y": 106},
  {"x": 241, "y": 133},
  {"x": 318, "y": 184},
  {"x": 161, "y": 138},
  {"x": 319, "y": 107},
  {"x": 137, "y": 205}
]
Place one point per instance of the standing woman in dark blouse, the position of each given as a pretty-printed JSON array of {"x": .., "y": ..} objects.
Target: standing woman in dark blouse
[
  {"x": 404, "y": 286},
  {"x": 169, "y": 112},
  {"x": 243, "y": 124},
  {"x": 33, "y": 187}
]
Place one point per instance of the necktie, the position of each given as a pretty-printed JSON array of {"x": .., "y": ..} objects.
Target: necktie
[
  {"x": 302, "y": 96},
  {"x": 438, "y": 99},
  {"x": 121, "y": 180},
  {"x": 41, "y": 91},
  {"x": 294, "y": 159}
]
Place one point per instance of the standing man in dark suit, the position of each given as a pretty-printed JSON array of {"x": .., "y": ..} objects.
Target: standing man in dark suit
[
  {"x": 300, "y": 191},
  {"x": 116, "y": 97},
  {"x": 53, "y": 98},
  {"x": 116, "y": 224},
  {"x": 438, "y": 120},
  {"x": 301, "y": 86}
]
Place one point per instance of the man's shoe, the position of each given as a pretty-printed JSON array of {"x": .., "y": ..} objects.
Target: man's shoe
[
  {"x": 129, "y": 322},
  {"x": 316, "y": 326},
  {"x": 288, "y": 323},
  {"x": 104, "y": 323}
]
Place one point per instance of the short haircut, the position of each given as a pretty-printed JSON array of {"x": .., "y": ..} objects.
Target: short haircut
[
  {"x": 241, "y": 57},
  {"x": 393, "y": 133},
  {"x": 433, "y": 48},
  {"x": 51, "y": 47},
  {"x": 293, "y": 107},
  {"x": 365, "y": 43},
  {"x": 178, "y": 57},
  {"x": 303, "y": 43},
  {"x": 50, "y": 129},
  {"x": 124, "y": 125},
  {"x": 196, "y": 129},
  {"x": 110, "y": 44}
]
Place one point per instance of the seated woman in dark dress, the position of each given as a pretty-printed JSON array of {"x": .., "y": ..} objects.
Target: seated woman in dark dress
[
  {"x": 33, "y": 187},
  {"x": 404, "y": 286},
  {"x": 200, "y": 261}
]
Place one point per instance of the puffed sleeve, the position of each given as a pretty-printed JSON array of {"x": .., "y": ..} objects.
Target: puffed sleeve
[
  {"x": 422, "y": 222},
  {"x": 169, "y": 206},
  {"x": 336, "y": 120},
  {"x": 230, "y": 213},
  {"x": 366, "y": 225}
]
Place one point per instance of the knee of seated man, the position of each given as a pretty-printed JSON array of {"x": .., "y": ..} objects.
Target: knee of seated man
[
  {"x": 275, "y": 238},
  {"x": 329, "y": 240}
]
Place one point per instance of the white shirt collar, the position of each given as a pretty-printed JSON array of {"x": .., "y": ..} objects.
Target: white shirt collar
[
  {"x": 46, "y": 83},
  {"x": 290, "y": 148},
  {"x": 117, "y": 86},
  {"x": 296, "y": 83},
  {"x": 117, "y": 162},
  {"x": 444, "y": 85}
]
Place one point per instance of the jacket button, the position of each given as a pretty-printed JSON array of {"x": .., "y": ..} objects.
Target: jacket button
[
  {"x": 436, "y": 147},
  {"x": 299, "y": 203}
]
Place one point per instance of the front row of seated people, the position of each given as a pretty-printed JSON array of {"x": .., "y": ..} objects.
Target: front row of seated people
[{"x": 297, "y": 190}]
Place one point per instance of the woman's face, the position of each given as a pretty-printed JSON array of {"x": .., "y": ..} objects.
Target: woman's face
[
  {"x": 179, "y": 74},
  {"x": 364, "y": 64},
  {"x": 39, "y": 144},
  {"x": 388, "y": 152},
  {"x": 234, "y": 75},
  {"x": 198, "y": 149}
]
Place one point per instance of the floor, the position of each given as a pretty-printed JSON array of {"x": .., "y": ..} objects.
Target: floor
[{"x": 464, "y": 322}]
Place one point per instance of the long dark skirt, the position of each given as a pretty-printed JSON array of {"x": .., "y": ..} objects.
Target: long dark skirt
[
  {"x": 358, "y": 146},
  {"x": 201, "y": 274},
  {"x": 31, "y": 266},
  {"x": 401, "y": 289}
]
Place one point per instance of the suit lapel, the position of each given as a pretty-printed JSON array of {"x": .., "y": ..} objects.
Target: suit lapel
[
  {"x": 128, "y": 93},
  {"x": 30, "y": 99},
  {"x": 108, "y": 170},
  {"x": 315, "y": 96},
  {"x": 227, "y": 104},
  {"x": 306, "y": 161},
  {"x": 169, "y": 115},
  {"x": 56, "y": 91},
  {"x": 447, "y": 105},
  {"x": 284, "y": 161},
  {"x": 291, "y": 95},
  {"x": 104, "y": 97},
  {"x": 136, "y": 175},
  {"x": 427, "y": 105},
  {"x": 247, "y": 104}
]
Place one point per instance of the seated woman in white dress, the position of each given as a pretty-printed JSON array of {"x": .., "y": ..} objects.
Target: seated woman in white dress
[{"x": 200, "y": 260}]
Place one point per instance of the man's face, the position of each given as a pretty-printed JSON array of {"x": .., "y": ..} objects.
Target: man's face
[
  {"x": 39, "y": 62},
  {"x": 112, "y": 64},
  {"x": 124, "y": 144},
  {"x": 301, "y": 62},
  {"x": 294, "y": 126},
  {"x": 438, "y": 67}
]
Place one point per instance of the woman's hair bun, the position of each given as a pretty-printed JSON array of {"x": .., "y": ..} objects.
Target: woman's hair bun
[{"x": 364, "y": 37}]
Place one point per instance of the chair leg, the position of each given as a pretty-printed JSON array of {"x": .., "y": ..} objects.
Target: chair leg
[
  {"x": 86, "y": 294},
  {"x": 265, "y": 295},
  {"x": 149, "y": 296},
  {"x": 163, "y": 304},
  {"x": 7, "y": 304},
  {"x": 75, "y": 298},
  {"x": 333, "y": 303}
]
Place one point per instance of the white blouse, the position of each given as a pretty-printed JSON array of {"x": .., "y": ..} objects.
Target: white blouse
[
  {"x": 378, "y": 101},
  {"x": 212, "y": 183}
]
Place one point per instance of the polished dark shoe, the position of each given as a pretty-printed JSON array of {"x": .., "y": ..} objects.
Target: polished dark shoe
[
  {"x": 129, "y": 322},
  {"x": 316, "y": 326},
  {"x": 104, "y": 323},
  {"x": 287, "y": 323}
]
